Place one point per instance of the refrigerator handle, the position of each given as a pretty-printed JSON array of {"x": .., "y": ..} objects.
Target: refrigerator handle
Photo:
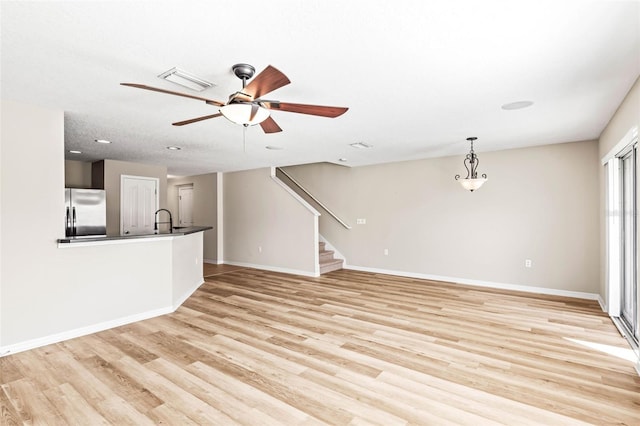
[
  {"x": 74, "y": 221},
  {"x": 68, "y": 223}
]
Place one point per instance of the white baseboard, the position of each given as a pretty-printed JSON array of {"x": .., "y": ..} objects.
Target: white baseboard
[
  {"x": 274, "y": 269},
  {"x": 603, "y": 305},
  {"x": 489, "y": 284},
  {"x": 82, "y": 331},
  {"x": 213, "y": 261}
]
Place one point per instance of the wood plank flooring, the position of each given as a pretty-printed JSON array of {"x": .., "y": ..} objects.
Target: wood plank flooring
[{"x": 349, "y": 348}]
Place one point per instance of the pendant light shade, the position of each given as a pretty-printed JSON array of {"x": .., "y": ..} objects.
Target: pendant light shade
[
  {"x": 471, "y": 182},
  {"x": 245, "y": 113}
]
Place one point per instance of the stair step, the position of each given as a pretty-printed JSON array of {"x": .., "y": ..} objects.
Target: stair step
[
  {"x": 327, "y": 262},
  {"x": 326, "y": 255},
  {"x": 332, "y": 265}
]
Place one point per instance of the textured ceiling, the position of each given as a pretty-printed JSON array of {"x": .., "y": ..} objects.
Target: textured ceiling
[{"x": 418, "y": 76}]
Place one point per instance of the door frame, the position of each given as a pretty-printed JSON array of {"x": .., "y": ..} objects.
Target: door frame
[
  {"x": 122, "y": 179},
  {"x": 612, "y": 162},
  {"x": 629, "y": 240}
]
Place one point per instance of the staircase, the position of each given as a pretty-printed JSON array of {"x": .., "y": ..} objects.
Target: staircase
[{"x": 327, "y": 261}]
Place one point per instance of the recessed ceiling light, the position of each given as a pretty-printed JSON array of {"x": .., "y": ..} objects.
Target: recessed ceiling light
[
  {"x": 274, "y": 148},
  {"x": 516, "y": 105},
  {"x": 361, "y": 145},
  {"x": 186, "y": 79},
  {"x": 104, "y": 141},
  {"x": 174, "y": 148},
  {"x": 74, "y": 151}
]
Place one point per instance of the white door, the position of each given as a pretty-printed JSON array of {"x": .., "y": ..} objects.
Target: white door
[
  {"x": 138, "y": 204},
  {"x": 185, "y": 205}
]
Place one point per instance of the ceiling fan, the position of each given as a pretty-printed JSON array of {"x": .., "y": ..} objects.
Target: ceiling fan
[{"x": 246, "y": 106}]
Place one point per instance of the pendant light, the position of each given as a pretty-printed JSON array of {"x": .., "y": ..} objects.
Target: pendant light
[{"x": 471, "y": 161}]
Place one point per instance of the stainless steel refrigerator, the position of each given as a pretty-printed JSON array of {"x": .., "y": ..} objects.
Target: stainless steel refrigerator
[{"x": 86, "y": 212}]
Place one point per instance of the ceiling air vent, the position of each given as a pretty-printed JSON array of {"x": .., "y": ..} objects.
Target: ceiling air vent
[
  {"x": 360, "y": 145},
  {"x": 185, "y": 79}
]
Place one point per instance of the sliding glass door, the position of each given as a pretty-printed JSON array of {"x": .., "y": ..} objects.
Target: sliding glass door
[{"x": 629, "y": 250}]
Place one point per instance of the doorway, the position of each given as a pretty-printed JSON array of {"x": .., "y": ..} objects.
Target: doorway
[
  {"x": 185, "y": 205},
  {"x": 138, "y": 204}
]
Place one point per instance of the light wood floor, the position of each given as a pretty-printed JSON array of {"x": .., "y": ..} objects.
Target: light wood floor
[
  {"x": 210, "y": 269},
  {"x": 258, "y": 348}
]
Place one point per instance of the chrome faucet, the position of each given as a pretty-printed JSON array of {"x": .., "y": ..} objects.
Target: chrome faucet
[{"x": 156, "y": 223}]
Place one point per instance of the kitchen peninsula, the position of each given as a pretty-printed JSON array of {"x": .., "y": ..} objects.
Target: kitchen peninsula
[
  {"x": 164, "y": 267},
  {"x": 115, "y": 280}
]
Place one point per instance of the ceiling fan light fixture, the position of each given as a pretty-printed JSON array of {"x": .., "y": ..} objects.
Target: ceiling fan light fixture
[
  {"x": 185, "y": 79},
  {"x": 240, "y": 113},
  {"x": 244, "y": 107}
]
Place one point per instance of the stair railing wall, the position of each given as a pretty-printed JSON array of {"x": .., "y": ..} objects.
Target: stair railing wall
[{"x": 286, "y": 178}]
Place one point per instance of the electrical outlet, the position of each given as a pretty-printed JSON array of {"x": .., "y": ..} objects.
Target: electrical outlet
[
  {"x": 386, "y": 252},
  {"x": 361, "y": 221},
  {"x": 259, "y": 249},
  {"x": 527, "y": 263}
]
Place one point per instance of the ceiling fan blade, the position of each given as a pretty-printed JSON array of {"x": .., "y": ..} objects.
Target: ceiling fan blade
[
  {"x": 270, "y": 126},
  {"x": 195, "y": 120},
  {"x": 185, "y": 95},
  {"x": 323, "y": 111},
  {"x": 267, "y": 81}
]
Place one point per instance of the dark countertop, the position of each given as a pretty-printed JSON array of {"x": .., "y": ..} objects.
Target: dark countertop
[{"x": 177, "y": 232}]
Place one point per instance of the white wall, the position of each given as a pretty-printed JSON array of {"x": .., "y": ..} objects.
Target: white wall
[
  {"x": 540, "y": 203},
  {"x": 259, "y": 213},
  {"x": 32, "y": 219}
]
